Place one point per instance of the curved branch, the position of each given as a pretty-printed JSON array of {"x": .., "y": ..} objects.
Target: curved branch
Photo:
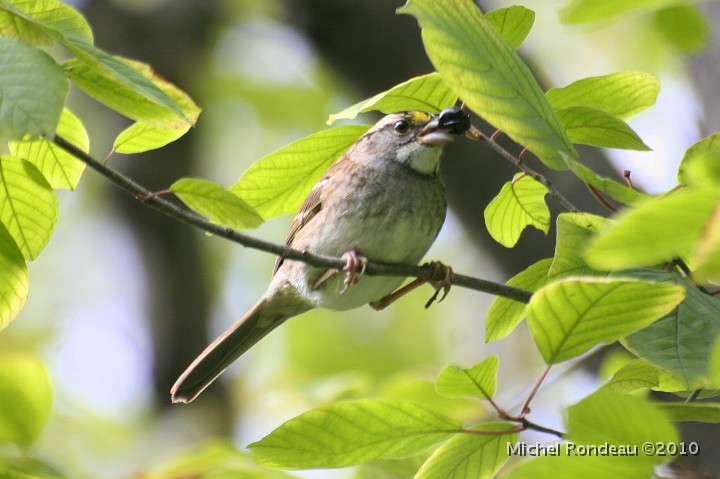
[{"x": 186, "y": 216}]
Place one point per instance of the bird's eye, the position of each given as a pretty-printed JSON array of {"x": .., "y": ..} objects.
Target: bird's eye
[{"x": 401, "y": 127}]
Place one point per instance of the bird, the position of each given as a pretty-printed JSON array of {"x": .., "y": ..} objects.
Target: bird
[{"x": 383, "y": 200}]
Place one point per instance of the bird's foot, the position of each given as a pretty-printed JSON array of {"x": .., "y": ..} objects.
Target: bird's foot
[
  {"x": 352, "y": 261},
  {"x": 443, "y": 284}
]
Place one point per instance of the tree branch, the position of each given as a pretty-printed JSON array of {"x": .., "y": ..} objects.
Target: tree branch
[{"x": 188, "y": 217}]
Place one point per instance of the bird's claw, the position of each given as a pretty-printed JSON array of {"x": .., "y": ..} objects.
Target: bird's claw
[
  {"x": 440, "y": 285},
  {"x": 352, "y": 261}
]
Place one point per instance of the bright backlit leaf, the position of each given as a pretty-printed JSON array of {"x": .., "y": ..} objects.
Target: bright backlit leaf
[
  {"x": 657, "y": 230},
  {"x": 60, "y": 168},
  {"x": 692, "y": 411},
  {"x": 39, "y": 22},
  {"x": 140, "y": 137},
  {"x": 622, "y": 94},
  {"x": 569, "y": 317},
  {"x": 477, "y": 456},
  {"x": 479, "y": 380},
  {"x": 514, "y": 23},
  {"x": 520, "y": 203},
  {"x": 615, "y": 190},
  {"x": 28, "y": 205},
  {"x": 277, "y": 184},
  {"x": 574, "y": 230},
  {"x": 590, "y": 126},
  {"x": 219, "y": 205},
  {"x": 708, "y": 147},
  {"x": 424, "y": 93},
  {"x": 353, "y": 432},
  {"x": 637, "y": 374},
  {"x": 33, "y": 89},
  {"x": 486, "y": 72},
  {"x": 25, "y": 399},
  {"x": 13, "y": 279},
  {"x": 684, "y": 26},
  {"x": 620, "y": 419},
  {"x": 587, "y": 11},
  {"x": 131, "y": 88},
  {"x": 505, "y": 314}
]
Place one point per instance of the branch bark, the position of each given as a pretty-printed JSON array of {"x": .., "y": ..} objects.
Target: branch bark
[{"x": 188, "y": 217}]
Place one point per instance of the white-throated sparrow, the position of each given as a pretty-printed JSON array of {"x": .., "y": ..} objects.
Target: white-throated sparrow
[{"x": 382, "y": 200}]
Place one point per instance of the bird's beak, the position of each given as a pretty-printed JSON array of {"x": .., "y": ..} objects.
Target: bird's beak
[{"x": 434, "y": 135}]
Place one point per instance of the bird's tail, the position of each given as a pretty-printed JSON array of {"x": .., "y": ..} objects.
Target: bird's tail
[{"x": 237, "y": 339}]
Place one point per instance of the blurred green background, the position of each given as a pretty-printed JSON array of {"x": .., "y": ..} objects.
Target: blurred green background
[{"x": 123, "y": 298}]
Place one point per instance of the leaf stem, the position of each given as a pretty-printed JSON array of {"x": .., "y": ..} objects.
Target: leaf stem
[
  {"x": 161, "y": 204},
  {"x": 474, "y": 134}
]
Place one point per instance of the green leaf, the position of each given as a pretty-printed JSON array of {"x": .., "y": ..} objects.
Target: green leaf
[
  {"x": 685, "y": 27},
  {"x": 214, "y": 459},
  {"x": 353, "y": 432},
  {"x": 140, "y": 137},
  {"x": 480, "y": 380},
  {"x": 131, "y": 88},
  {"x": 656, "y": 231},
  {"x": 29, "y": 20},
  {"x": 622, "y": 94},
  {"x": 514, "y": 23},
  {"x": 277, "y": 184},
  {"x": 707, "y": 252},
  {"x": 28, "y": 205},
  {"x": 505, "y": 314},
  {"x": 33, "y": 89},
  {"x": 27, "y": 467},
  {"x": 216, "y": 203},
  {"x": 25, "y": 399},
  {"x": 692, "y": 411},
  {"x": 520, "y": 203},
  {"x": 569, "y": 317},
  {"x": 486, "y": 72},
  {"x": 707, "y": 151},
  {"x": 13, "y": 279},
  {"x": 573, "y": 464},
  {"x": 476, "y": 456},
  {"x": 681, "y": 341},
  {"x": 586, "y": 11},
  {"x": 590, "y": 126},
  {"x": 60, "y": 168},
  {"x": 574, "y": 230},
  {"x": 617, "y": 191},
  {"x": 620, "y": 419},
  {"x": 637, "y": 374},
  {"x": 425, "y": 93}
]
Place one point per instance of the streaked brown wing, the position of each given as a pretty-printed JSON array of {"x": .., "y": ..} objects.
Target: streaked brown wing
[{"x": 311, "y": 206}]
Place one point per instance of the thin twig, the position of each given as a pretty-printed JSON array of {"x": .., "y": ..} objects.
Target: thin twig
[
  {"x": 474, "y": 134},
  {"x": 161, "y": 204}
]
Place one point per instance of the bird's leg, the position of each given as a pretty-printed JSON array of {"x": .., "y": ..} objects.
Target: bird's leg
[
  {"x": 443, "y": 285},
  {"x": 352, "y": 261}
]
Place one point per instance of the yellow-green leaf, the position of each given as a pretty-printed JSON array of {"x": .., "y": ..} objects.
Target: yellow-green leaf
[
  {"x": 569, "y": 317},
  {"x": 424, "y": 93},
  {"x": 486, "y": 72},
  {"x": 216, "y": 203},
  {"x": 479, "y": 380},
  {"x": 141, "y": 137},
  {"x": 278, "y": 184},
  {"x": 590, "y": 126},
  {"x": 520, "y": 203},
  {"x": 28, "y": 205},
  {"x": 13, "y": 279},
  {"x": 25, "y": 399},
  {"x": 622, "y": 94},
  {"x": 60, "y": 168}
]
